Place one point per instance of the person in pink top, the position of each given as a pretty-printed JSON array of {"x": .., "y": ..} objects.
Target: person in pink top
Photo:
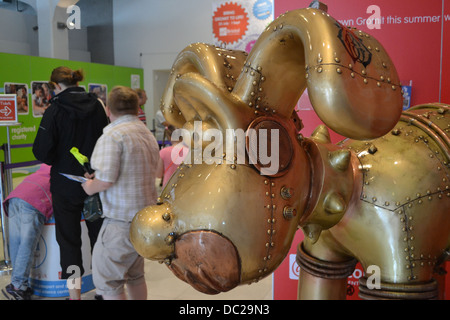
[
  {"x": 170, "y": 159},
  {"x": 28, "y": 207}
]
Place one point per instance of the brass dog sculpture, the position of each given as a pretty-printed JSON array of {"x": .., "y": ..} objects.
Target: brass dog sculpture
[{"x": 380, "y": 197}]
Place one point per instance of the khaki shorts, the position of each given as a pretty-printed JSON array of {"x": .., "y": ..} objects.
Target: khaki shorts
[{"x": 115, "y": 262}]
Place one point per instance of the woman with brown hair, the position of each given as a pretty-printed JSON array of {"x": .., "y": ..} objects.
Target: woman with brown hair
[{"x": 74, "y": 118}]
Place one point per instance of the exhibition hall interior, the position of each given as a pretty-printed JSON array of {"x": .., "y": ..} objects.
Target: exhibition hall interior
[{"x": 225, "y": 150}]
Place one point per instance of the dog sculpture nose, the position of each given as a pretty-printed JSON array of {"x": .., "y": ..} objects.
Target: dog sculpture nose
[
  {"x": 151, "y": 232},
  {"x": 205, "y": 259}
]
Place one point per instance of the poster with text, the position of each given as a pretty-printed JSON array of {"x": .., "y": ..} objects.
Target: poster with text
[
  {"x": 416, "y": 35},
  {"x": 238, "y": 24},
  {"x": 8, "y": 108}
]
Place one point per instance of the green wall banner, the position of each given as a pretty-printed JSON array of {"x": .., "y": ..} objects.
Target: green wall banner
[{"x": 27, "y": 77}]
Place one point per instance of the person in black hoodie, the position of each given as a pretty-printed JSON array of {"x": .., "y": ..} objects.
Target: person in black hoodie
[{"x": 74, "y": 118}]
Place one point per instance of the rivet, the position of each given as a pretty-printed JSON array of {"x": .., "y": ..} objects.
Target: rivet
[
  {"x": 338, "y": 70},
  {"x": 170, "y": 238},
  {"x": 289, "y": 212},
  {"x": 285, "y": 193},
  {"x": 372, "y": 149},
  {"x": 319, "y": 69},
  {"x": 366, "y": 81}
]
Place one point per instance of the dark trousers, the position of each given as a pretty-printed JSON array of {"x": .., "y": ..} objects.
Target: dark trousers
[{"x": 67, "y": 214}]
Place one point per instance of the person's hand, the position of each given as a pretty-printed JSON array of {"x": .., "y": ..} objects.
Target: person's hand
[
  {"x": 87, "y": 186},
  {"x": 88, "y": 175}
]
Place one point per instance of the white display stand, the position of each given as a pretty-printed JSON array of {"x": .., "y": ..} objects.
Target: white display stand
[{"x": 45, "y": 278}]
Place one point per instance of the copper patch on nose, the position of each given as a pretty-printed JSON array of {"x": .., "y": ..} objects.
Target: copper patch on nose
[{"x": 207, "y": 261}]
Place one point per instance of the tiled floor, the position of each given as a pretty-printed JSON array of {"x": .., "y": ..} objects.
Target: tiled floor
[{"x": 163, "y": 285}]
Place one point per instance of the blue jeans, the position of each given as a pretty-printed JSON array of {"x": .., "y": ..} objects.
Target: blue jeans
[{"x": 25, "y": 228}]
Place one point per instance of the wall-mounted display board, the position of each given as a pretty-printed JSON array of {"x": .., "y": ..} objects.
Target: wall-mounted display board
[{"x": 26, "y": 77}]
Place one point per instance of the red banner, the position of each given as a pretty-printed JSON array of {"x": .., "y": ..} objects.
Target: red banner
[{"x": 412, "y": 33}]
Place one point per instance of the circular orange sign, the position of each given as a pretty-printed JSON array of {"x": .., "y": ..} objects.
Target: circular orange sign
[{"x": 230, "y": 22}]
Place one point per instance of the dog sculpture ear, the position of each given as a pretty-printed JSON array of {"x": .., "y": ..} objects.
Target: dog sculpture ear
[
  {"x": 352, "y": 83},
  {"x": 199, "y": 64}
]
